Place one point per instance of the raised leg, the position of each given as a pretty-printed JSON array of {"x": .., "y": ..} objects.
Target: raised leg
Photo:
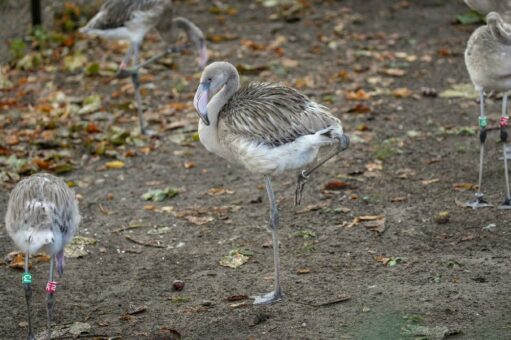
[
  {"x": 27, "y": 285},
  {"x": 51, "y": 287},
  {"x": 127, "y": 58},
  {"x": 503, "y": 138},
  {"x": 303, "y": 177},
  {"x": 129, "y": 71},
  {"x": 276, "y": 295}
]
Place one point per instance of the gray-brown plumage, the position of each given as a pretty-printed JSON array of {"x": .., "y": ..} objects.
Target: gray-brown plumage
[
  {"x": 488, "y": 55},
  {"x": 272, "y": 115},
  {"x": 42, "y": 213},
  {"x": 488, "y": 61},
  {"x": 118, "y": 13},
  {"x": 269, "y": 129}
]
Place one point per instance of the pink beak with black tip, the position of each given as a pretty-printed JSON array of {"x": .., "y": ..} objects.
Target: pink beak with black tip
[{"x": 200, "y": 102}]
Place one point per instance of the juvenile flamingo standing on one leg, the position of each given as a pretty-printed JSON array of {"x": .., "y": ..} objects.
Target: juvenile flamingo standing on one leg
[{"x": 267, "y": 128}]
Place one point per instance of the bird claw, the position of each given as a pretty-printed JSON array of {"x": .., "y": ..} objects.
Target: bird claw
[{"x": 302, "y": 179}]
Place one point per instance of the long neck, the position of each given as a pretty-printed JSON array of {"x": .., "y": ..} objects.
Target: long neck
[
  {"x": 209, "y": 133},
  {"x": 498, "y": 29},
  {"x": 185, "y": 25}
]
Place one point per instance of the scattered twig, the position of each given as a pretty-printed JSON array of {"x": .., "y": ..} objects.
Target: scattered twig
[
  {"x": 339, "y": 299},
  {"x": 129, "y": 227},
  {"x": 147, "y": 244},
  {"x": 85, "y": 336}
]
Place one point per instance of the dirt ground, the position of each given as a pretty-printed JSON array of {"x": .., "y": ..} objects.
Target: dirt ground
[{"x": 410, "y": 151}]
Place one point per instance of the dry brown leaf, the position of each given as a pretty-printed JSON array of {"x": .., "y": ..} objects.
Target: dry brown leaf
[
  {"x": 382, "y": 259},
  {"x": 178, "y": 106},
  {"x": 467, "y": 237},
  {"x": 357, "y": 95},
  {"x": 393, "y": 72},
  {"x": 402, "y": 92},
  {"x": 199, "y": 220},
  {"x": 430, "y": 181},
  {"x": 336, "y": 185},
  {"x": 219, "y": 191},
  {"x": 464, "y": 186},
  {"x": 377, "y": 165},
  {"x": 359, "y": 108},
  {"x": 302, "y": 271},
  {"x": 189, "y": 164},
  {"x": 375, "y": 223},
  {"x": 405, "y": 173}
]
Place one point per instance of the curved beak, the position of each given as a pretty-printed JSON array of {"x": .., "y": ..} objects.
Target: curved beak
[
  {"x": 203, "y": 56},
  {"x": 200, "y": 102}
]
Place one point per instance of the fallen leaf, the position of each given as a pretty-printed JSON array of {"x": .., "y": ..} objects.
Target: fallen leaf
[
  {"x": 336, "y": 185},
  {"x": 393, "y": 72},
  {"x": 374, "y": 223},
  {"x": 189, "y": 165},
  {"x": 470, "y": 18},
  {"x": 158, "y": 195},
  {"x": 430, "y": 181},
  {"x": 199, "y": 220},
  {"x": 219, "y": 191},
  {"x": 18, "y": 261},
  {"x": 405, "y": 173},
  {"x": 427, "y": 332},
  {"x": 302, "y": 271},
  {"x": 115, "y": 165},
  {"x": 402, "y": 92},
  {"x": 133, "y": 310},
  {"x": 236, "y": 258},
  {"x": 251, "y": 69},
  {"x": 357, "y": 95},
  {"x": 464, "y": 186},
  {"x": 236, "y": 298},
  {"x": 377, "y": 165},
  {"x": 442, "y": 217},
  {"x": 466, "y": 90},
  {"x": 90, "y": 104}
]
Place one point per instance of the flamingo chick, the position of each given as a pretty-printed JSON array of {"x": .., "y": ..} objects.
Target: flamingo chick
[
  {"x": 267, "y": 128},
  {"x": 42, "y": 213},
  {"x": 488, "y": 61},
  {"x": 132, "y": 20}
]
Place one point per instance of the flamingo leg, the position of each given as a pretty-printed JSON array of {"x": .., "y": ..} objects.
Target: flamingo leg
[
  {"x": 126, "y": 59},
  {"x": 135, "y": 78},
  {"x": 27, "y": 285},
  {"x": 479, "y": 201},
  {"x": 50, "y": 299},
  {"x": 276, "y": 295},
  {"x": 504, "y": 138},
  {"x": 303, "y": 177}
]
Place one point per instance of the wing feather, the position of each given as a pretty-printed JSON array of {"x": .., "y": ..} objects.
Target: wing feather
[
  {"x": 272, "y": 114},
  {"x": 116, "y": 13}
]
